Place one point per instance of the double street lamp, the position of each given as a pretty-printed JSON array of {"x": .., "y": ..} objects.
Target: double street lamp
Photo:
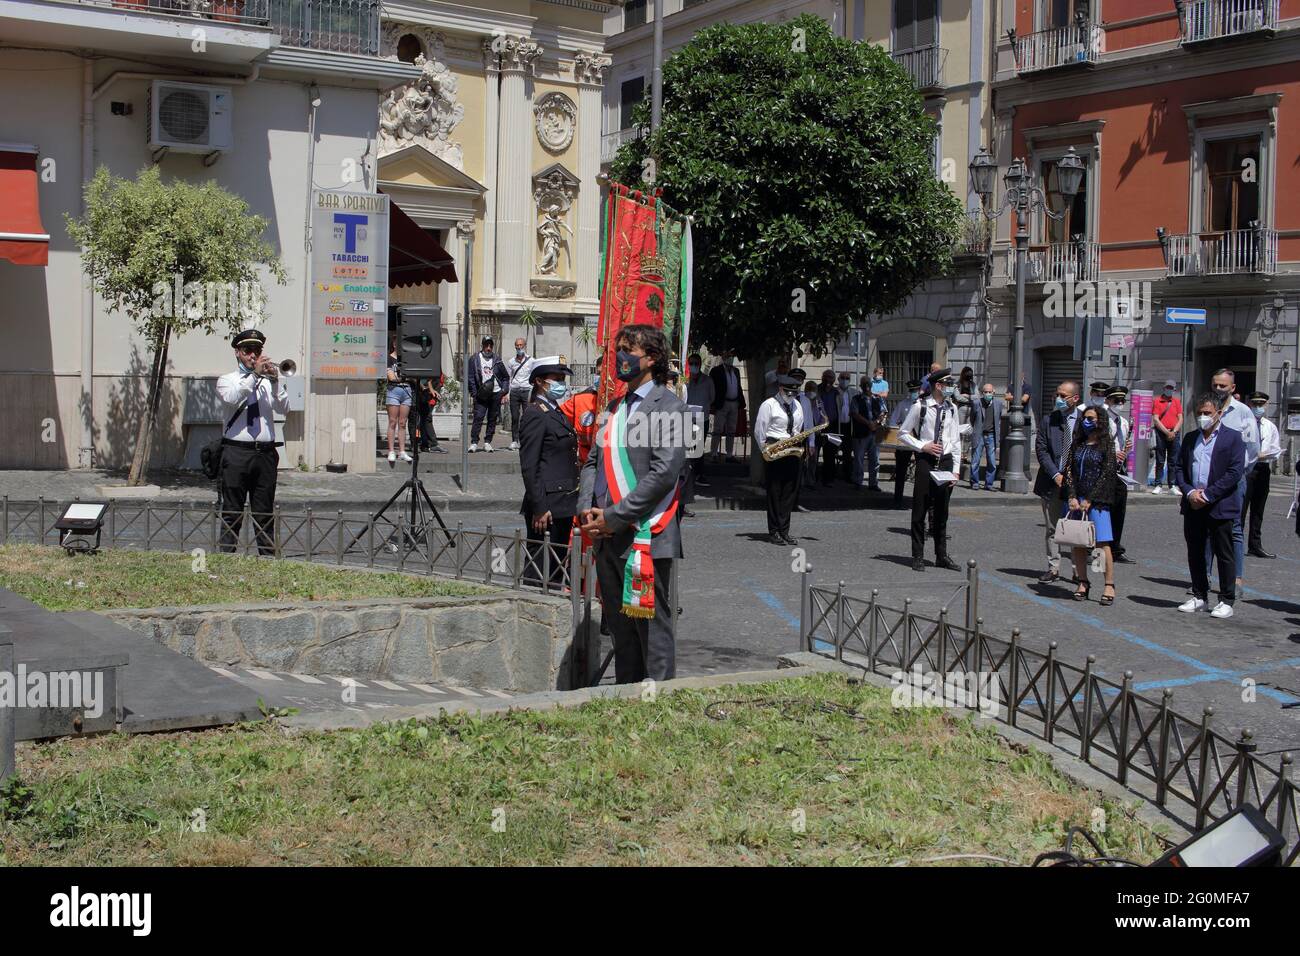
[{"x": 1024, "y": 198}]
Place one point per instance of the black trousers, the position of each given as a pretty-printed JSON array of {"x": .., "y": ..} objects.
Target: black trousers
[
  {"x": 1257, "y": 483},
  {"x": 489, "y": 410},
  {"x": 1118, "y": 509},
  {"x": 643, "y": 647},
  {"x": 559, "y": 531},
  {"x": 902, "y": 459},
  {"x": 420, "y": 422},
  {"x": 830, "y": 456},
  {"x": 782, "y": 492},
  {"x": 1166, "y": 455},
  {"x": 248, "y": 475},
  {"x": 927, "y": 495},
  {"x": 1198, "y": 527}
]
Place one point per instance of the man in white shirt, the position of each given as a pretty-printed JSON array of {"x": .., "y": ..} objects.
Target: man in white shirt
[
  {"x": 933, "y": 432},
  {"x": 521, "y": 390},
  {"x": 1258, "y": 478},
  {"x": 1241, "y": 419},
  {"x": 487, "y": 384},
  {"x": 780, "y": 417},
  {"x": 253, "y": 393}
]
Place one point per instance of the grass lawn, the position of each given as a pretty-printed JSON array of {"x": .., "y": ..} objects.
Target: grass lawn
[
  {"x": 695, "y": 777},
  {"x": 112, "y": 579}
]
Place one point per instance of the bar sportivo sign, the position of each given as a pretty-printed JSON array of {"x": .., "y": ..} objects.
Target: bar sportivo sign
[{"x": 349, "y": 287}]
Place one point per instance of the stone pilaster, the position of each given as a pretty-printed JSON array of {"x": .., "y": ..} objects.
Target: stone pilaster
[
  {"x": 492, "y": 73},
  {"x": 516, "y": 223},
  {"x": 589, "y": 71}
]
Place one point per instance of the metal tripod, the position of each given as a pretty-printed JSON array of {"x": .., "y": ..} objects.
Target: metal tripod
[{"x": 414, "y": 536}]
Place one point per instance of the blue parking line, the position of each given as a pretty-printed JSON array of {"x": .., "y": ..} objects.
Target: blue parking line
[{"x": 774, "y": 602}]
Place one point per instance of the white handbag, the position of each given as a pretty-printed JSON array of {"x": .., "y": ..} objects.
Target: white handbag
[{"x": 1075, "y": 532}]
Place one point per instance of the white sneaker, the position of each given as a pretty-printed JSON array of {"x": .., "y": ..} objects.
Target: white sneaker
[
  {"x": 1192, "y": 606},
  {"x": 1158, "y": 490},
  {"x": 487, "y": 446},
  {"x": 406, "y": 457},
  {"x": 473, "y": 448},
  {"x": 1221, "y": 610},
  {"x": 391, "y": 458},
  {"x": 514, "y": 446}
]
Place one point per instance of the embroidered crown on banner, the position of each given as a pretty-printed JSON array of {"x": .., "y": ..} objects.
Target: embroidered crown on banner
[{"x": 653, "y": 265}]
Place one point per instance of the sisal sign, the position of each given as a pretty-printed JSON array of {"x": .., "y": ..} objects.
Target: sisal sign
[{"x": 349, "y": 285}]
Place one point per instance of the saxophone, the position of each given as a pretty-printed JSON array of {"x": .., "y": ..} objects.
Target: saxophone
[{"x": 789, "y": 446}]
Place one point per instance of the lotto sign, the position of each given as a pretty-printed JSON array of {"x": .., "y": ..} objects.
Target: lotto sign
[{"x": 349, "y": 289}]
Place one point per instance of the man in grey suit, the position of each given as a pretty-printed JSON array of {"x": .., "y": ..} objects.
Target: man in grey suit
[
  {"x": 986, "y": 436},
  {"x": 656, "y": 452}
]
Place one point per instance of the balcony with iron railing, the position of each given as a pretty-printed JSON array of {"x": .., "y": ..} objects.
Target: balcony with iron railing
[
  {"x": 342, "y": 26},
  {"x": 1079, "y": 43},
  {"x": 1236, "y": 252},
  {"x": 1074, "y": 261},
  {"x": 924, "y": 66},
  {"x": 1200, "y": 21},
  {"x": 610, "y": 143}
]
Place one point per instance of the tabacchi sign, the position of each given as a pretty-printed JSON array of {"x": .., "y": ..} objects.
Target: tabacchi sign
[{"x": 349, "y": 285}]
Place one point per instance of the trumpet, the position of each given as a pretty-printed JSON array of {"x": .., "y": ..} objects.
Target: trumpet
[
  {"x": 267, "y": 368},
  {"x": 288, "y": 367}
]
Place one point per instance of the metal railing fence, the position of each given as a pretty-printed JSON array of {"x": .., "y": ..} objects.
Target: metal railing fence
[
  {"x": 1182, "y": 764},
  {"x": 1216, "y": 19}
]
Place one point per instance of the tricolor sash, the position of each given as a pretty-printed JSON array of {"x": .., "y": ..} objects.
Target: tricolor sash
[{"x": 639, "y": 572}]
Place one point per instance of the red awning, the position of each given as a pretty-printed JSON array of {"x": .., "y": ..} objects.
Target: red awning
[
  {"x": 22, "y": 237},
  {"x": 414, "y": 256}
]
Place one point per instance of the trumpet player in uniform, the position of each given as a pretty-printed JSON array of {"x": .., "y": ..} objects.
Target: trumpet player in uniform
[
  {"x": 933, "y": 432},
  {"x": 253, "y": 393},
  {"x": 780, "y": 418}
]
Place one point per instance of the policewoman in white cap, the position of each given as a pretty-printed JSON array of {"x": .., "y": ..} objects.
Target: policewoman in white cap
[
  {"x": 548, "y": 460},
  {"x": 253, "y": 393}
]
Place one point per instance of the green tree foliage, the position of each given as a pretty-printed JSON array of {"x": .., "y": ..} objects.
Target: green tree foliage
[
  {"x": 143, "y": 239},
  {"x": 806, "y": 161}
]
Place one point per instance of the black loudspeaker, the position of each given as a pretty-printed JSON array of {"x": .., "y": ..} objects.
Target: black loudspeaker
[{"x": 419, "y": 340}]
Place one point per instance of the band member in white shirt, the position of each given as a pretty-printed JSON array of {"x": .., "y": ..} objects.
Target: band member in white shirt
[
  {"x": 253, "y": 393},
  {"x": 1122, "y": 430},
  {"x": 933, "y": 432},
  {"x": 780, "y": 417},
  {"x": 1258, "y": 478}
]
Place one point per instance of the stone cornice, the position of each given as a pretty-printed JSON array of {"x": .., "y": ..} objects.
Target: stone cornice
[
  {"x": 1147, "y": 66},
  {"x": 1090, "y": 129},
  {"x": 475, "y": 21}
]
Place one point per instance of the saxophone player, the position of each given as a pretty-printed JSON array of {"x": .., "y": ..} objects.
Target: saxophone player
[{"x": 778, "y": 418}]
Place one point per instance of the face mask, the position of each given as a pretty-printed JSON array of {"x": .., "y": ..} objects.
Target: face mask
[
  {"x": 1204, "y": 421},
  {"x": 913, "y": 395},
  {"x": 1259, "y": 411},
  {"x": 844, "y": 383},
  {"x": 695, "y": 368},
  {"x": 878, "y": 378},
  {"x": 1061, "y": 404},
  {"x": 1096, "y": 401},
  {"x": 1169, "y": 393},
  {"x": 629, "y": 366},
  {"x": 986, "y": 399},
  {"x": 728, "y": 360},
  {"x": 519, "y": 352},
  {"x": 1089, "y": 424},
  {"x": 557, "y": 390}
]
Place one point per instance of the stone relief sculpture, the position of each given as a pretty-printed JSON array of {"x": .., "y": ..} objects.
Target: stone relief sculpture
[
  {"x": 556, "y": 120},
  {"x": 424, "y": 112},
  {"x": 554, "y": 191}
]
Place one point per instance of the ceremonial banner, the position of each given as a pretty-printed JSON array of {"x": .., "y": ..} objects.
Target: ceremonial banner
[
  {"x": 688, "y": 263},
  {"x": 669, "y": 228},
  {"x": 626, "y": 295}
]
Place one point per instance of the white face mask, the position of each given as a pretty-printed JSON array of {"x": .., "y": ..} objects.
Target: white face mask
[{"x": 1204, "y": 421}]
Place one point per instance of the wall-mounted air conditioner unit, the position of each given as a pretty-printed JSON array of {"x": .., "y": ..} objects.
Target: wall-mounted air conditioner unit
[{"x": 190, "y": 117}]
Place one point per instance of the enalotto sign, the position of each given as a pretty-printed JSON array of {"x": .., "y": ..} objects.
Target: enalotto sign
[{"x": 349, "y": 285}]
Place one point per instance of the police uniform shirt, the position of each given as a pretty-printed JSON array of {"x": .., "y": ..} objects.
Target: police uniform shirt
[
  {"x": 899, "y": 414},
  {"x": 777, "y": 419},
  {"x": 256, "y": 422},
  {"x": 1270, "y": 441},
  {"x": 949, "y": 428}
]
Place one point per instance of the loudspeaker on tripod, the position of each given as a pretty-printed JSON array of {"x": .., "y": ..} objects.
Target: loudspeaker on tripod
[{"x": 419, "y": 340}]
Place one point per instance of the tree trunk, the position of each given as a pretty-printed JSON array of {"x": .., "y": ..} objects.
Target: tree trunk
[{"x": 144, "y": 436}]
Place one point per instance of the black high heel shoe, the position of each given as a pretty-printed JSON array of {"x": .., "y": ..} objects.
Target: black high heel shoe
[
  {"x": 1107, "y": 601},
  {"x": 1083, "y": 595}
]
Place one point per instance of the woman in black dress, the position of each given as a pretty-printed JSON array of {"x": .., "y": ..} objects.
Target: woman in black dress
[{"x": 1089, "y": 487}]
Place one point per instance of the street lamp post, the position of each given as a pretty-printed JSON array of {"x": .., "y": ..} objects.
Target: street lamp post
[{"x": 1024, "y": 198}]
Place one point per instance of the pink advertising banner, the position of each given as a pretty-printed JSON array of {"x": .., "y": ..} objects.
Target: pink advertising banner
[{"x": 1142, "y": 403}]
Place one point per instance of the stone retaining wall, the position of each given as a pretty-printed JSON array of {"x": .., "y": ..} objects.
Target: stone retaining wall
[{"x": 510, "y": 643}]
